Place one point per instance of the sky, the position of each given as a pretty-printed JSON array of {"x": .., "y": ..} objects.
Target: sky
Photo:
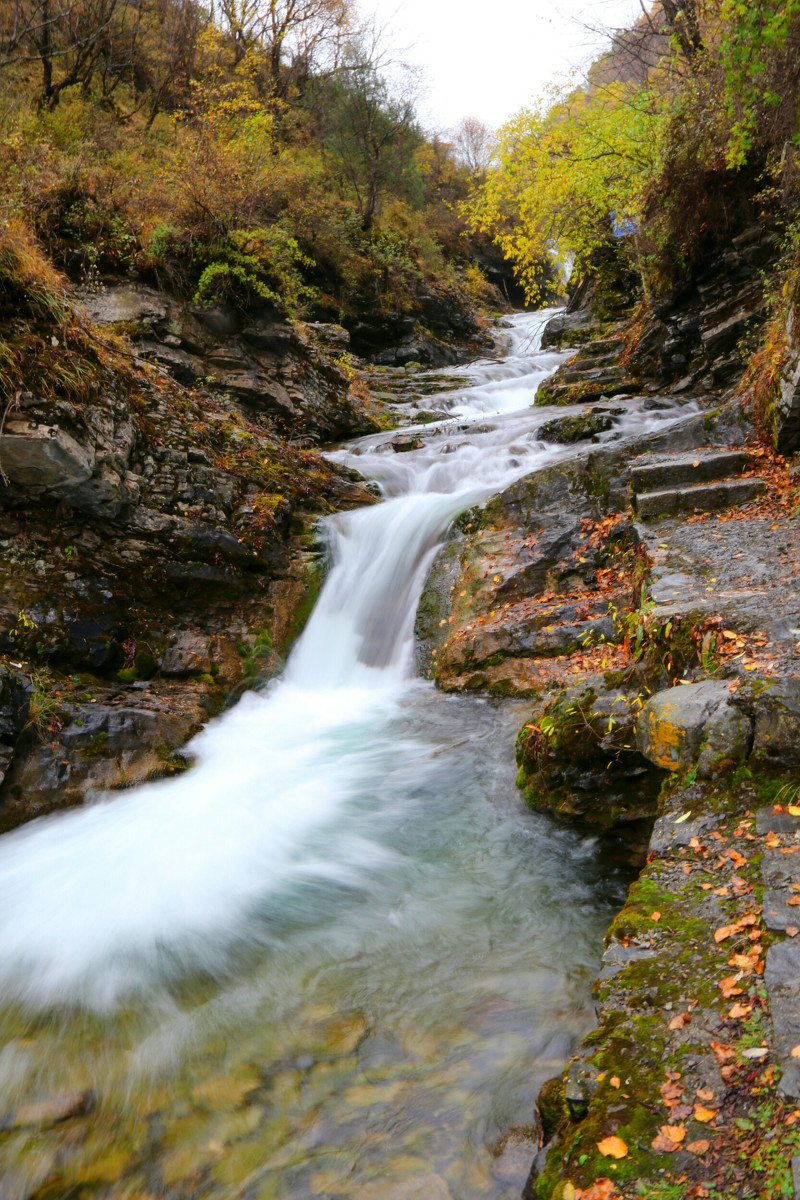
[{"x": 489, "y": 58}]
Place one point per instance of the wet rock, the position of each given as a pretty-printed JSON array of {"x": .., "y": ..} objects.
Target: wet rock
[
  {"x": 777, "y": 722},
  {"x": 782, "y": 979},
  {"x": 403, "y": 443},
  {"x": 417, "y": 1187},
  {"x": 514, "y": 1157},
  {"x": 575, "y": 759},
  {"x": 43, "y": 458},
  {"x": 671, "y": 726},
  {"x": 102, "y": 747},
  {"x": 15, "y": 691},
  {"x": 51, "y": 1111},
  {"x": 187, "y": 654},
  {"x": 560, "y": 328},
  {"x": 728, "y": 736},
  {"x": 565, "y": 430}
]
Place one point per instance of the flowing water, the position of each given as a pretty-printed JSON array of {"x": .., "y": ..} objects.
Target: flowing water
[{"x": 339, "y": 952}]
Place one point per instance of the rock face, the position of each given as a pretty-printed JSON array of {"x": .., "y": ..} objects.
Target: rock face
[
  {"x": 150, "y": 533},
  {"x": 691, "y": 342},
  {"x": 275, "y": 371},
  {"x": 671, "y": 725}
]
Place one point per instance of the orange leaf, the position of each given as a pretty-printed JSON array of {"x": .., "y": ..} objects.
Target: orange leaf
[
  {"x": 705, "y": 1094},
  {"x": 704, "y": 1114},
  {"x": 679, "y": 1021},
  {"x": 795, "y": 1051},
  {"x": 601, "y": 1189},
  {"x": 792, "y": 931},
  {"x": 656, "y": 916},
  {"x": 615, "y": 1081},
  {"x": 724, "y": 932},
  {"x": 613, "y": 1147},
  {"x": 740, "y": 1010},
  {"x": 701, "y": 1146},
  {"x": 728, "y": 986}
]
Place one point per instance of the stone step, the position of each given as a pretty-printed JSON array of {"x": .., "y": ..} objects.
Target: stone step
[
  {"x": 701, "y": 496},
  {"x": 698, "y": 466}
]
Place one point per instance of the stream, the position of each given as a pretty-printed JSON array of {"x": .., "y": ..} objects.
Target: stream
[{"x": 339, "y": 953}]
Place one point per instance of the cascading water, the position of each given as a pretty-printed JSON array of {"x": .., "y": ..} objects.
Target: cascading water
[{"x": 338, "y": 949}]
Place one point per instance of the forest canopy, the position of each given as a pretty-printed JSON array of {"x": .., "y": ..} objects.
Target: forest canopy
[{"x": 252, "y": 151}]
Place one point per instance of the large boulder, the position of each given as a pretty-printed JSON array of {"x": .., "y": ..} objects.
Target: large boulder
[{"x": 671, "y": 726}]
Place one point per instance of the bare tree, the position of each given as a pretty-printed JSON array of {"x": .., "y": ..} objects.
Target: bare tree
[
  {"x": 293, "y": 36},
  {"x": 474, "y": 146}
]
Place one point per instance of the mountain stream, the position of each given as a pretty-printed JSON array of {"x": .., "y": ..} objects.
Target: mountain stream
[{"x": 339, "y": 954}]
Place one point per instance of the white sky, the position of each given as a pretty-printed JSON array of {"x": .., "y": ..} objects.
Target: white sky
[{"x": 488, "y": 58}]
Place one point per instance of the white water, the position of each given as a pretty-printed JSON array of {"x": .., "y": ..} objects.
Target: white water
[{"x": 177, "y": 876}]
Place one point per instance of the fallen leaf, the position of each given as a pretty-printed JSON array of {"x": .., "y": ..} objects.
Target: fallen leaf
[
  {"x": 671, "y": 1093},
  {"x": 706, "y": 886},
  {"x": 568, "y": 1191},
  {"x": 792, "y": 931},
  {"x": 756, "y": 1052},
  {"x": 656, "y": 916},
  {"x": 740, "y": 1010},
  {"x": 613, "y": 1147},
  {"x": 795, "y": 1051},
  {"x": 728, "y": 986},
  {"x": 615, "y": 1081},
  {"x": 601, "y": 1189},
  {"x": 663, "y": 1145},
  {"x": 704, "y": 1114},
  {"x": 724, "y": 932},
  {"x": 679, "y": 1021},
  {"x": 704, "y": 1094},
  {"x": 701, "y": 1146},
  {"x": 723, "y": 1054},
  {"x": 794, "y": 810},
  {"x": 793, "y": 902}
]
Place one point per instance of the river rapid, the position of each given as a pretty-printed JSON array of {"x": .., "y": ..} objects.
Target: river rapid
[{"x": 339, "y": 953}]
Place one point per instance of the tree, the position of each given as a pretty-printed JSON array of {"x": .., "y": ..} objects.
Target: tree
[
  {"x": 287, "y": 39},
  {"x": 371, "y": 135},
  {"x": 474, "y": 146},
  {"x": 70, "y": 39}
]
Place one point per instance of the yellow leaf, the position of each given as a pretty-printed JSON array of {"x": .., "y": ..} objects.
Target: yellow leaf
[
  {"x": 794, "y": 809},
  {"x": 613, "y": 1147},
  {"x": 704, "y": 1114}
]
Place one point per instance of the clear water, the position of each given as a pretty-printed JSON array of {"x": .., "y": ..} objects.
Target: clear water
[{"x": 339, "y": 953}]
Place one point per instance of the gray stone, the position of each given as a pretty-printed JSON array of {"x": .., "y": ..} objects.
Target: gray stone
[
  {"x": 670, "y": 727},
  {"x": 565, "y": 430},
  {"x": 782, "y": 979},
  {"x": 728, "y": 737},
  {"x": 702, "y": 497},
  {"x": 128, "y": 303},
  {"x": 187, "y": 654},
  {"x": 15, "y": 691},
  {"x": 43, "y": 458},
  {"x": 778, "y": 914},
  {"x": 701, "y": 466},
  {"x": 768, "y": 821},
  {"x": 777, "y": 724},
  {"x": 667, "y": 833}
]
